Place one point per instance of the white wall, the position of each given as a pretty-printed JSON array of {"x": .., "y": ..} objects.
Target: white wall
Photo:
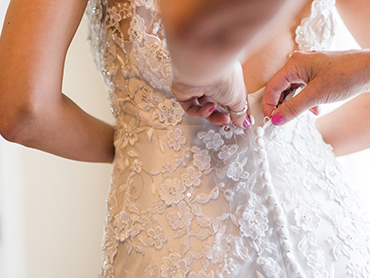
[{"x": 52, "y": 209}]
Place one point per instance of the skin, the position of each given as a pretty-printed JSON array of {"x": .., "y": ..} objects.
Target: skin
[
  {"x": 330, "y": 77},
  {"x": 341, "y": 74},
  {"x": 345, "y": 128},
  {"x": 201, "y": 31},
  {"x": 35, "y": 113},
  {"x": 33, "y": 110}
]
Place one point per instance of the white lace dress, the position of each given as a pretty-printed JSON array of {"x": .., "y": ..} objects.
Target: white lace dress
[{"x": 189, "y": 199}]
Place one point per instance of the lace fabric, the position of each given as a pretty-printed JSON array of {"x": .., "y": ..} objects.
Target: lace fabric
[{"x": 189, "y": 199}]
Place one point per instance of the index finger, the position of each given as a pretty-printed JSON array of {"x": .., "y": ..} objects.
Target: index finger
[{"x": 285, "y": 79}]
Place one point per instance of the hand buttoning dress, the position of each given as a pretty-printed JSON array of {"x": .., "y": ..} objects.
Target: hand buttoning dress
[{"x": 190, "y": 199}]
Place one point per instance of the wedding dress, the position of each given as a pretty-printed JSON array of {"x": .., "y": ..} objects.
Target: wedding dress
[{"x": 190, "y": 199}]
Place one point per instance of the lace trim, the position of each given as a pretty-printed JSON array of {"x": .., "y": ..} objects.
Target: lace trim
[{"x": 317, "y": 31}]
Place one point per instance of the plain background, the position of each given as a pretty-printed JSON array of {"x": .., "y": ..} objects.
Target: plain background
[{"x": 52, "y": 209}]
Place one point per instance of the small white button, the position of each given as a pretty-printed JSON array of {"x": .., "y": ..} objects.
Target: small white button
[
  {"x": 262, "y": 154},
  {"x": 260, "y": 131},
  {"x": 264, "y": 166},
  {"x": 294, "y": 267},
  {"x": 278, "y": 210},
  {"x": 283, "y": 232},
  {"x": 286, "y": 245},
  {"x": 267, "y": 177},
  {"x": 260, "y": 142},
  {"x": 269, "y": 187},
  {"x": 280, "y": 221},
  {"x": 272, "y": 199},
  {"x": 289, "y": 257}
]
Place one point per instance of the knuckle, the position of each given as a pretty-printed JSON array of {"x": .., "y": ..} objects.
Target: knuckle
[
  {"x": 194, "y": 112},
  {"x": 296, "y": 55},
  {"x": 293, "y": 112},
  {"x": 235, "y": 99}
]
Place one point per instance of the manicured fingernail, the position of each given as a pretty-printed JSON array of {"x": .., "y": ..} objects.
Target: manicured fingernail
[
  {"x": 247, "y": 123},
  {"x": 225, "y": 124},
  {"x": 277, "y": 119},
  {"x": 212, "y": 109},
  {"x": 316, "y": 111}
]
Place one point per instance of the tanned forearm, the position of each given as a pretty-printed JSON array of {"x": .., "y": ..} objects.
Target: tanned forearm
[
  {"x": 65, "y": 130},
  {"x": 33, "y": 111}
]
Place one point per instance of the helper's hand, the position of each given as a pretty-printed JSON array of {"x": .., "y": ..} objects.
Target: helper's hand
[
  {"x": 328, "y": 77},
  {"x": 201, "y": 101}
]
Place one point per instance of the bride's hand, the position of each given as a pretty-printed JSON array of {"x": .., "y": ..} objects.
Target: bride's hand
[
  {"x": 201, "y": 101},
  {"x": 205, "y": 37}
]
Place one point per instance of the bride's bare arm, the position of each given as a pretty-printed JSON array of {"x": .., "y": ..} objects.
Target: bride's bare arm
[{"x": 33, "y": 110}]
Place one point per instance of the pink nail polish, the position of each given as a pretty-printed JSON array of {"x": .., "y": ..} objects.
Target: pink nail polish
[
  {"x": 277, "y": 119},
  {"x": 247, "y": 123},
  {"x": 316, "y": 111},
  {"x": 212, "y": 109},
  {"x": 225, "y": 124}
]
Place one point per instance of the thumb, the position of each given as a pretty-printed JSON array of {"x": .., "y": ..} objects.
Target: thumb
[
  {"x": 231, "y": 92},
  {"x": 295, "y": 106}
]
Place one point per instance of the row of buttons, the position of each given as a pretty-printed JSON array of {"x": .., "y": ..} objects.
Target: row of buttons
[{"x": 272, "y": 199}]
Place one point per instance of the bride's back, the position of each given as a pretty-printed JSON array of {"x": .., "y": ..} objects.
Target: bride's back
[{"x": 263, "y": 64}]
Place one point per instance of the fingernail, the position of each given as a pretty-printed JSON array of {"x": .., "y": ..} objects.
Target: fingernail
[
  {"x": 316, "y": 111},
  {"x": 212, "y": 109},
  {"x": 312, "y": 111},
  {"x": 247, "y": 123},
  {"x": 277, "y": 119},
  {"x": 225, "y": 124}
]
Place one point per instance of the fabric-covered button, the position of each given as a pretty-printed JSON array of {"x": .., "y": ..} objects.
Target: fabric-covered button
[
  {"x": 261, "y": 154},
  {"x": 260, "y": 142},
  {"x": 283, "y": 232},
  {"x": 269, "y": 188},
  {"x": 260, "y": 131},
  {"x": 294, "y": 267},
  {"x": 264, "y": 166},
  {"x": 267, "y": 176},
  {"x": 278, "y": 210},
  {"x": 286, "y": 245},
  {"x": 280, "y": 221},
  {"x": 289, "y": 257},
  {"x": 272, "y": 199}
]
